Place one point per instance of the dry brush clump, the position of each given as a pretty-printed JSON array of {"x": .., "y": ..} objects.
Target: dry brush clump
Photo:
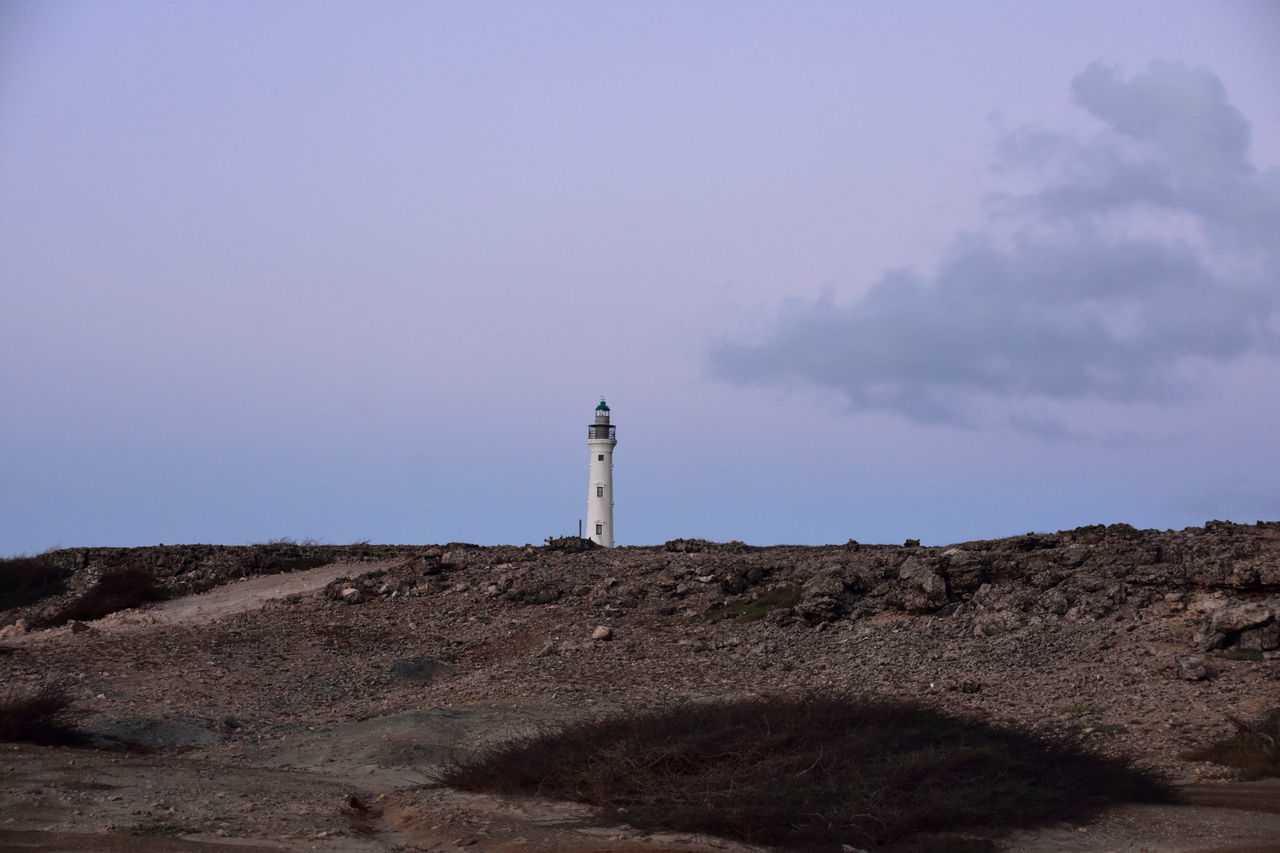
[
  {"x": 812, "y": 773},
  {"x": 42, "y": 717},
  {"x": 26, "y": 580},
  {"x": 1254, "y": 749}
]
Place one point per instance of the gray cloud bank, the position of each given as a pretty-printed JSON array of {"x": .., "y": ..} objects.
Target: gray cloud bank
[{"x": 1139, "y": 251}]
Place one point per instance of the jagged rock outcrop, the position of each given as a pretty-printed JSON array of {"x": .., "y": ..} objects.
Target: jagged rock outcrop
[
  {"x": 926, "y": 588},
  {"x": 1250, "y": 625}
]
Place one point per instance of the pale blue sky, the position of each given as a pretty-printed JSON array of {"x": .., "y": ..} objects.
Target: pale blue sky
[{"x": 864, "y": 270}]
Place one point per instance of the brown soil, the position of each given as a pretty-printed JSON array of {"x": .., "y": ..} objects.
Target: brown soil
[{"x": 270, "y": 714}]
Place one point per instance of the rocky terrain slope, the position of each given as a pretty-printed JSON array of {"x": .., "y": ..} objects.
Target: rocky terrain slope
[{"x": 303, "y": 701}]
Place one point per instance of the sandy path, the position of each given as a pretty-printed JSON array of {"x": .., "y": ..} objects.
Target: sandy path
[{"x": 232, "y": 598}]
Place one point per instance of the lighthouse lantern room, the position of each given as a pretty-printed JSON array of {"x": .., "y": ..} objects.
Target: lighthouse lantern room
[{"x": 601, "y": 438}]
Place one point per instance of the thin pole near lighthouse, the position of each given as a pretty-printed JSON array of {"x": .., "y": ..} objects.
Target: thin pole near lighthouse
[{"x": 601, "y": 438}]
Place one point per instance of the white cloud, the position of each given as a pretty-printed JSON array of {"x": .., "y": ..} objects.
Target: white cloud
[{"x": 1144, "y": 247}]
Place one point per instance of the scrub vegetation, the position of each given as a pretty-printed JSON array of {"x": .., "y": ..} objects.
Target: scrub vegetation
[
  {"x": 759, "y": 607},
  {"x": 1253, "y": 655},
  {"x": 812, "y": 773},
  {"x": 1254, "y": 749},
  {"x": 42, "y": 717},
  {"x": 26, "y": 580},
  {"x": 157, "y": 830}
]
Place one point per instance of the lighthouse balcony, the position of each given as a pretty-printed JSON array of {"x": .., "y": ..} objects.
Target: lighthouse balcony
[{"x": 600, "y": 431}]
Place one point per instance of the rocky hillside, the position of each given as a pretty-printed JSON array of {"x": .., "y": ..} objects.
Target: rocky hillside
[
  {"x": 307, "y": 673},
  {"x": 1230, "y": 572}
]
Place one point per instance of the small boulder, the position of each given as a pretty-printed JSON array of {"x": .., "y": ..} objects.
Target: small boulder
[
  {"x": 352, "y": 595},
  {"x": 823, "y": 599},
  {"x": 1192, "y": 668},
  {"x": 819, "y": 610},
  {"x": 535, "y": 593},
  {"x": 992, "y": 623},
  {"x": 602, "y": 632},
  {"x": 1055, "y": 601}
]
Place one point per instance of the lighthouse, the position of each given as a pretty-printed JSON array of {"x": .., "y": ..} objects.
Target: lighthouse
[{"x": 600, "y": 442}]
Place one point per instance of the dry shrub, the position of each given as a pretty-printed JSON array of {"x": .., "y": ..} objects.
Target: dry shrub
[
  {"x": 26, "y": 580},
  {"x": 1254, "y": 749},
  {"x": 42, "y": 717},
  {"x": 158, "y": 829},
  {"x": 812, "y": 773}
]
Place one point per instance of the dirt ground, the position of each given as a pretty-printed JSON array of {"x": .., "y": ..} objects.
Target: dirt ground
[{"x": 264, "y": 716}]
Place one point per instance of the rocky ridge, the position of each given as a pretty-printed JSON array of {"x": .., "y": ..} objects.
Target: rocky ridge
[{"x": 1144, "y": 643}]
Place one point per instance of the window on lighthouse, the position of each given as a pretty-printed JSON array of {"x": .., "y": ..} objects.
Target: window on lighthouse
[
  {"x": 599, "y": 491},
  {"x": 600, "y": 457},
  {"x": 599, "y": 529}
]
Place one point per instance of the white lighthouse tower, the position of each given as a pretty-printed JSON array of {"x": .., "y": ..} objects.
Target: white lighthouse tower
[{"x": 600, "y": 441}]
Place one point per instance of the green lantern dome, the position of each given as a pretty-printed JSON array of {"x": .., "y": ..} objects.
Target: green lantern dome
[{"x": 603, "y": 407}]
